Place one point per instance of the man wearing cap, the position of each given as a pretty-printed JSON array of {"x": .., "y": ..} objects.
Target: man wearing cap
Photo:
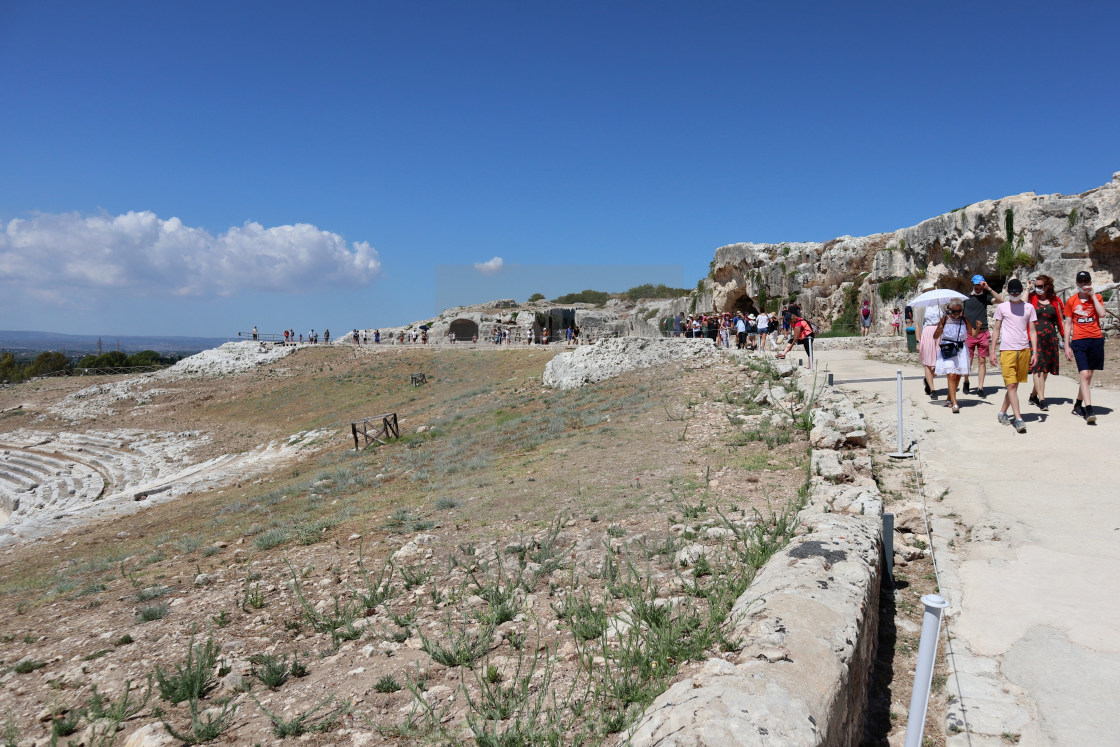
[
  {"x": 1018, "y": 348},
  {"x": 978, "y": 340},
  {"x": 1085, "y": 341}
]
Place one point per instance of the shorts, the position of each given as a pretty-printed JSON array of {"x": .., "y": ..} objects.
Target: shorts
[
  {"x": 1089, "y": 353},
  {"x": 1015, "y": 365},
  {"x": 982, "y": 341}
]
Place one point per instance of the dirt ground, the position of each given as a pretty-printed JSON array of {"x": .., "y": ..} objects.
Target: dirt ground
[{"x": 523, "y": 564}]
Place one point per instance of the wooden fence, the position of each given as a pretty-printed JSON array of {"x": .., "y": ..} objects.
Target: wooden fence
[{"x": 375, "y": 429}]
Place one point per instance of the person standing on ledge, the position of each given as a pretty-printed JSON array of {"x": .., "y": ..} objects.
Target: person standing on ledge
[
  {"x": 865, "y": 319},
  {"x": 1085, "y": 341},
  {"x": 1018, "y": 349},
  {"x": 976, "y": 314}
]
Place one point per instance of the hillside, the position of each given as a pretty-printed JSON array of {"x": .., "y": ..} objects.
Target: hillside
[{"x": 445, "y": 585}]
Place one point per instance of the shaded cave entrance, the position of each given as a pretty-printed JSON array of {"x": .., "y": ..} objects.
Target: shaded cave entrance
[
  {"x": 743, "y": 304},
  {"x": 463, "y": 329}
]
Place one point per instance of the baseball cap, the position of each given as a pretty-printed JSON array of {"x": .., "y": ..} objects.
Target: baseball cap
[
  {"x": 977, "y": 279},
  {"x": 1084, "y": 277},
  {"x": 1014, "y": 286}
]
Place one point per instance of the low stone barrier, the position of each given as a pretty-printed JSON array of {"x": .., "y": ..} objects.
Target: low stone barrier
[{"x": 808, "y": 622}]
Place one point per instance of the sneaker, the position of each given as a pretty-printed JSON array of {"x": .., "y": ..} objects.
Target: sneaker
[
  {"x": 1003, "y": 419},
  {"x": 967, "y": 387},
  {"x": 1033, "y": 399},
  {"x": 1090, "y": 418},
  {"x": 1043, "y": 406},
  {"x": 1078, "y": 410},
  {"x": 1020, "y": 426},
  {"x": 983, "y": 394},
  {"x": 926, "y": 385}
]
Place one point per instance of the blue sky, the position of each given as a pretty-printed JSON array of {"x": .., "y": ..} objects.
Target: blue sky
[{"x": 198, "y": 168}]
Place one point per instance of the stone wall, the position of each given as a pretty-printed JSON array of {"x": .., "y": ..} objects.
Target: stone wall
[{"x": 809, "y": 621}]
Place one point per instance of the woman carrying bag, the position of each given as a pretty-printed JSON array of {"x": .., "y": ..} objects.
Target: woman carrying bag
[{"x": 952, "y": 353}]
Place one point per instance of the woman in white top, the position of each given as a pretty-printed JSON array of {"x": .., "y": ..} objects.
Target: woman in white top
[
  {"x": 952, "y": 353},
  {"x": 927, "y": 345}
]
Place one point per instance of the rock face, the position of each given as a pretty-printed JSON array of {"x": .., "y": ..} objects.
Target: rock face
[
  {"x": 588, "y": 364},
  {"x": 615, "y": 318},
  {"x": 1056, "y": 234}
]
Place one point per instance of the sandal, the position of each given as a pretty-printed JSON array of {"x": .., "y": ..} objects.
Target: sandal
[
  {"x": 956, "y": 409},
  {"x": 781, "y": 356}
]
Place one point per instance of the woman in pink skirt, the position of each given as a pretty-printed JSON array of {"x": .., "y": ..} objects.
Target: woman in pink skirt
[{"x": 927, "y": 344}]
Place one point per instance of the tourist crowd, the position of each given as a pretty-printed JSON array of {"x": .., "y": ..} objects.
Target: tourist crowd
[{"x": 1027, "y": 337}]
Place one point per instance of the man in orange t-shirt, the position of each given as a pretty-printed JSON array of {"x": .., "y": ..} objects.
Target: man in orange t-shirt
[{"x": 1084, "y": 340}]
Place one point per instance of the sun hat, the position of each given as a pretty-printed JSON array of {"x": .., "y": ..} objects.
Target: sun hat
[{"x": 977, "y": 279}]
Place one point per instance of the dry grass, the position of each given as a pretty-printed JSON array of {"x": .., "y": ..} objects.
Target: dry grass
[{"x": 535, "y": 535}]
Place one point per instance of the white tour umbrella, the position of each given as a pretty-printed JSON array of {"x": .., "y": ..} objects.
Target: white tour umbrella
[{"x": 937, "y": 297}]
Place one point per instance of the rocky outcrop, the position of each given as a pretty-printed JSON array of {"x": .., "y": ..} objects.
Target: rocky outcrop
[
  {"x": 1054, "y": 234},
  {"x": 589, "y": 364}
]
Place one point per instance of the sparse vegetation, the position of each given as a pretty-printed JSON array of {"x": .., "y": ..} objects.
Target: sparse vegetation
[
  {"x": 584, "y": 296},
  {"x": 498, "y": 470},
  {"x": 898, "y": 287},
  {"x": 193, "y": 678}
]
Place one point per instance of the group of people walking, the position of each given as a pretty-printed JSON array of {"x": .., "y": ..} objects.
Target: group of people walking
[
  {"x": 1026, "y": 340},
  {"x": 290, "y": 336}
]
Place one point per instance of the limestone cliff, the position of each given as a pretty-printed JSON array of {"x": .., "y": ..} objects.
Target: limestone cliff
[{"x": 1053, "y": 234}]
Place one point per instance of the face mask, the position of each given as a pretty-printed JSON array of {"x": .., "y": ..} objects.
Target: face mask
[
  {"x": 1015, "y": 296},
  {"x": 1083, "y": 288}
]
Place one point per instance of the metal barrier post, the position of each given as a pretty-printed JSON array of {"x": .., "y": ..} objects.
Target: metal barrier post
[
  {"x": 923, "y": 674},
  {"x": 900, "y": 454}
]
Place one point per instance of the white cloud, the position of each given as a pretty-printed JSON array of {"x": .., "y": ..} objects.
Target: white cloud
[
  {"x": 54, "y": 256},
  {"x": 490, "y": 266}
]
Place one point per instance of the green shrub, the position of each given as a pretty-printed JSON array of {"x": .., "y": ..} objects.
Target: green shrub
[
  {"x": 203, "y": 731},
  {"x": 153, "y": 612},
  {"x": 846, "y": 323},
  {"x": 897, "y": 287},
  {"x": 387, "y": 684},
  {"x": 27, "y": 666},
  {"x": 309, "y": 721},
  {"x": 536, "y": 297},
  {"x": 648, "y": 290},
  {"x": 584, "y": 296},
  {"x": 272, "y": 538},
  {"x": 192, "y": 679}
]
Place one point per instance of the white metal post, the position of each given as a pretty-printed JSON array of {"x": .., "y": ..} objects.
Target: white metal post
[
  {"x": 923, "y": 674},
  {"x": 812, "y": 366},
  {"x": 900, "y": 454}
]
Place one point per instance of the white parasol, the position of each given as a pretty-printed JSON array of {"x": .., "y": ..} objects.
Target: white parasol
[{"x": 937, "y": 297}]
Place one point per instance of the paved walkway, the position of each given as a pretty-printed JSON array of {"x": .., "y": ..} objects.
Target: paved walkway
[{"x": 1028, "y": 543}]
